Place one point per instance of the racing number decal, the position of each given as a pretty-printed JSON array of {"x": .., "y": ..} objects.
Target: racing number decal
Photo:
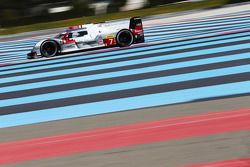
[{"x": 110, "y": 41}]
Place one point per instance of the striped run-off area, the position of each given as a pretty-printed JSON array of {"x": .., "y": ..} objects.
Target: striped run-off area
[{"x": 54, "y": 109}]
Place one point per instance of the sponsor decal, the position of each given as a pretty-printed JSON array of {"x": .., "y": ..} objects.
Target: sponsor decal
[{"x": 110, "y": 36}]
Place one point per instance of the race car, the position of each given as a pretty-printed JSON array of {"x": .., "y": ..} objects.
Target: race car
[{"x": 89, "y": 36}]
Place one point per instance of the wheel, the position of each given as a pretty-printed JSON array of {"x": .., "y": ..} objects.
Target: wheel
[
  {"x": 49, "y": 48},
  {"x": 124, "y": 38}
]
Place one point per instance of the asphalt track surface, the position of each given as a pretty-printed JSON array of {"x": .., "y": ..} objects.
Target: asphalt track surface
[{"x": 192, "y": 70}]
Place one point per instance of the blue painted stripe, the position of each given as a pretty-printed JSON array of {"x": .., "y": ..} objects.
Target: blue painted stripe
[
  {"x": 124, "y": 104},
  {"x": 124, "y": 73},
  {"x": 15, "y": 50},
  {"x": 126, "y": 85},
  {"x": 11, "y": 58},
  {"x": 16, "y": 47},
  {"x": 11, "y": 55}
]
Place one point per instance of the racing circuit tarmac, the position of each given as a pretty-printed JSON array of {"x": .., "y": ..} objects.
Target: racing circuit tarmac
[{"x": 182, "y": 98}]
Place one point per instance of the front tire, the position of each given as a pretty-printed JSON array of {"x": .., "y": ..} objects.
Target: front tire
[
  {"x": 49, "y": 48},
  {"x": 124, "y": 38}
]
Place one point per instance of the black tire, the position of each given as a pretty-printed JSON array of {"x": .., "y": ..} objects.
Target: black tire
[
  {"x": 49, "y": 48},
  {"x": 124, "y": 38}
]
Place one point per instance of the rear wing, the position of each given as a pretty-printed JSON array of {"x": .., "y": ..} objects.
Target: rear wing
[
  {"x": 135, "y": 23},
  {"x": 136, "y": 26}
]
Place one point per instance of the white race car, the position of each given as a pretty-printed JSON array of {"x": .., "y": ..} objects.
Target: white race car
[{"x": 82, "y": 37}]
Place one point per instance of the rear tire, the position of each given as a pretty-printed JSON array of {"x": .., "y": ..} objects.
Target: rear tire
[
  {"x": 124, "y": 38},
  {"x": 49, "y": 48}
]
